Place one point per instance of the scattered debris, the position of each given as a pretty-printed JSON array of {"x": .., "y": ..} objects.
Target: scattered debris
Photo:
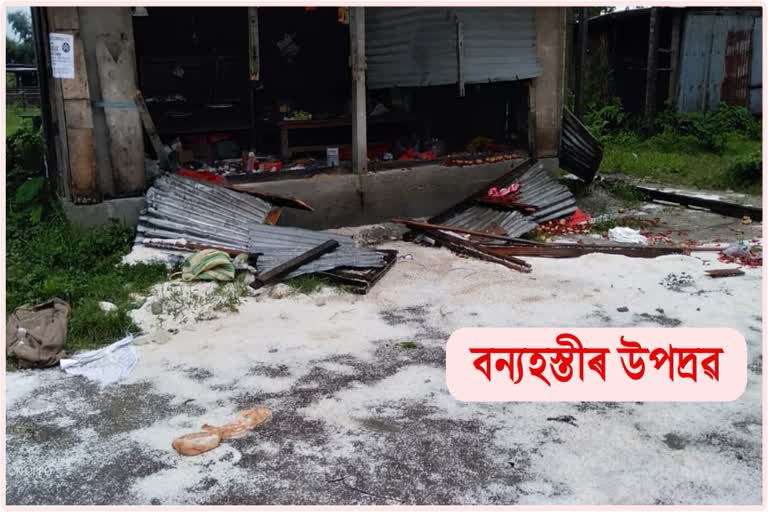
[
  {"x": 577, "y": 223},
  {"x": 188, "y": 215},
  {"x": 676, "y": 283},
  {"x": 743, "y": 253},
  {"x": 106, "y": 365},
  {"x": 564, "y": 419},
  {"x": 538, "y": 188},
  {"x": 35, "y": 335}
]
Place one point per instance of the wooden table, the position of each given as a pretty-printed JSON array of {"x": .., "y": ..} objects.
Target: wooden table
[{"x": 285, "y": 127}]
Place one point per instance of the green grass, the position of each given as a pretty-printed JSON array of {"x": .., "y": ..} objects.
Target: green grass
[
  {"x": 56, "y": 259},
  {"x": 681, "y": 164},
  {"x": 14, "y": 119}
]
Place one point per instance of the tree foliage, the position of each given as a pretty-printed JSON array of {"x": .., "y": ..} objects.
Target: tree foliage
[{"x": 21, "y": 50}]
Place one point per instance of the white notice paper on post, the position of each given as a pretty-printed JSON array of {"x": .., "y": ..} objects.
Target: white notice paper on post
[{"x": 62, "y": 55}]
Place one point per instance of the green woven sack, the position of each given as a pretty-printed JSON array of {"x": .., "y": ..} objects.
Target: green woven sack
[{"x": 208, "y": 265}]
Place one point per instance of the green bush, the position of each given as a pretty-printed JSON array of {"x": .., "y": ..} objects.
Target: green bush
[
  {"x": 25, "y": 150},
  {"x": 605, "y": 120},
  {"x": 747, "y": 169},
  {"x": 53, "y": 258}
]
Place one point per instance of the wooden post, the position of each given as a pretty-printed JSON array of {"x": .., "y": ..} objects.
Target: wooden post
[
  {"x": 357, "y": 65},
  {"x": 76, "y": 109},
  {"x": 460, "y": 56},
  {"x": 649, "y": 107},
  {"x": 581, "y": 70},
  {"x": 253, "y": 44},
  {"x": 674, "y": 57}
]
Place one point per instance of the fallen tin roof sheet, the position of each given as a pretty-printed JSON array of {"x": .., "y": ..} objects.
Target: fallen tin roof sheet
[
  {"x": 552, "y": 200},
  {"x": 580, "y": 152},
  {"x": 181, "y": 208}
]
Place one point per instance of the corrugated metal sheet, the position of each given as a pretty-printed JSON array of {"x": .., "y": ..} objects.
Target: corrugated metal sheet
[
  {"x": 580, "y": 152},
  {"x": 756, "y": 72},
  {"x": 499, "y": 43},
  {"x": 715, "y": 62},
  {"x": 181, "y": 208},
  {"x": 537, "y": 188},
  {"x": 417, "y": 46}
]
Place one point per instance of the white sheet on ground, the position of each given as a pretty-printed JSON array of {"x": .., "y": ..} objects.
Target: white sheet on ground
[{"x": 106, "y": 365}]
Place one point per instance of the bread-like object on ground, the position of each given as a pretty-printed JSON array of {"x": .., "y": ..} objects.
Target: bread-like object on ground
[
  {"x": 246, "y": 421},
  {"x": 197, "y": 443}
]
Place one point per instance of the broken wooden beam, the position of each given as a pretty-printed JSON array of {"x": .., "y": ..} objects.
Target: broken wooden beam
[
  {"x": 576, "y": 250},
  {"x": 426, "y": 225},
  {"x": 466, "y": 247},
  {"x": 713, "y": 205},
  {"x": 284, "y": 268},
  {"x": 151, "y": 130}
]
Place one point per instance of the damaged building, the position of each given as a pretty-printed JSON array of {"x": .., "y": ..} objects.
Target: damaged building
[{"x": 365, "y": 113}]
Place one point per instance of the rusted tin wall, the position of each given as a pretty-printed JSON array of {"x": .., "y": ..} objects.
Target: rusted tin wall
[{"x": 717, "y": 60}]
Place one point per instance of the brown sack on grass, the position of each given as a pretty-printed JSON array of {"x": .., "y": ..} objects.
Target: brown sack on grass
[{"x": 35, "y": 335}]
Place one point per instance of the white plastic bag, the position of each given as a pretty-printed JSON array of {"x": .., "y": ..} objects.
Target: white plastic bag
[{"x": 627, "y": 236}]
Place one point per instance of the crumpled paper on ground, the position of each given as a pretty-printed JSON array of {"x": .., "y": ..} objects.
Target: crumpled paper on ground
[
  {"x": 106, "y": 365},
  {"x": 627, "y": 236}
]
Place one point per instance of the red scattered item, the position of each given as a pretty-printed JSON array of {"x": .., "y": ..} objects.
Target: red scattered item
[
  {"x": 575, "y": 224},
  {"x": 744, "y": 262},
  {"x": 427, "y": 155},
  {"x": 578, "y": 217},
  {"x": 270, "y": 166},
  {"x": 202, "y": 175},
  {"x": 375, "y": 151},
  {"x": 502, "y": 192}
]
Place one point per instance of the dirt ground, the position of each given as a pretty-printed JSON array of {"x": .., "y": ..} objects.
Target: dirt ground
[{"x": 361, "y": 410}]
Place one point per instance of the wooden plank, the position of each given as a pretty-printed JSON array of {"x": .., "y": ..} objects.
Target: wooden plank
[
  {"x": 357, "y": 63},
  {"x": 576, "y": 250},
  {"x": 674, "y": 56},
  {"x": 253, "y": 44},
  {"x": 78, "y": 114},
  {"x": 82, "y": 164},
  {"x": 649, "y": 106},
  {"x": 425, "y": 225},
  {"x": 273, "y": 274},
  {"x": 126, "y": 143},
  {"x": 460, "y": 57},
  {"x": 724, "y": 272},
  {"x": 77, "y": 88},
  {"x": 721, "y": 207},
  {"x": 581, "y": 69},
  {"x": 149, "y": 128}
]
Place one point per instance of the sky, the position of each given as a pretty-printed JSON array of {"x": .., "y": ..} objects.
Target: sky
[{"x": 8, "y": 29}]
